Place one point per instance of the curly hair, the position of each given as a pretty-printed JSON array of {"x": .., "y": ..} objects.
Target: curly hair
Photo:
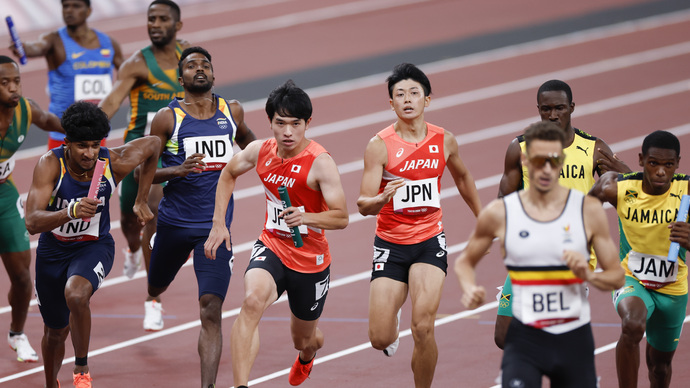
[{"x": 84, "y": 121}]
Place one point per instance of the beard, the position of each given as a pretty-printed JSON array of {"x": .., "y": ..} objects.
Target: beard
[{"x": 200, "y": 88}]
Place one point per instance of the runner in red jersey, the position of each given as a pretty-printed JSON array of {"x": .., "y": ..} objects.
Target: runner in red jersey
[
  {"x": 276, "y": 265},
  {"x": 403, "y": 165}
]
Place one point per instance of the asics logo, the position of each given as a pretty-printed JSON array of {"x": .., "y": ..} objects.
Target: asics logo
[{"x": 314, "y": 306}]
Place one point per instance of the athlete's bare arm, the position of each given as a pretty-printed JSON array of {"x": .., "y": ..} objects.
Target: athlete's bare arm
[
  {"x": 512, "y": 170},
  {"x": 461, "y": 175},
  {"x": 605, "y": 160},
  {"x": 240, "y": 163},
  {"x": 126, "y": 158},
  {"x": 46, "y": 46},
  {"x": 44, "y": 120},
  {"x": 324, "y": 177},
  {"x": 490, "y": 225},
  {"x": 244, "y": 135},
  {"x": 132, "y": 72},
  {"x": 612, "y": 275},
  {"x": 606, "y": 188},
  {"x": 38, "y": 219},
  {"x": 370, "y": 202}
]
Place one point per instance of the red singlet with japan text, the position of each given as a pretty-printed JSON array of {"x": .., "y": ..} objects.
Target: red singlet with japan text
[
  {"x": 414, "y": 213},
  {"x": 292, "y": 173}
]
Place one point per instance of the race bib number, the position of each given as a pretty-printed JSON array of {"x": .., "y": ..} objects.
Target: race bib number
[
  {"x": 91, "y": 87},
  {"x": 548, "y": 305},
  {"x": 79, "y": 230},
  {"x": 6, "y": 168},
  {"x": 149, "y": 120},
  {"x": 218, "y": 150},
  {"x": 276, "y": 225},
  {"x": 417, "y": 197},
  {"x": 651, "y": 270}
]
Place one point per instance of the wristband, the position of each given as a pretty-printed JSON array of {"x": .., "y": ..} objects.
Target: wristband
[
  {"x": 74, "y": 210},
  {"x": 69, "y": 210}
]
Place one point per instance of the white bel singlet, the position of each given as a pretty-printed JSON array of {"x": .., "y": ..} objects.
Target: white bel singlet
[{"x": 546, "y": 293}]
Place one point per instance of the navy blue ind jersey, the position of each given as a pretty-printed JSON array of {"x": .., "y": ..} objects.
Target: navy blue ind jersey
[
  {"x": 189, "y": 201},
  {"x": 67, "y": 190}
]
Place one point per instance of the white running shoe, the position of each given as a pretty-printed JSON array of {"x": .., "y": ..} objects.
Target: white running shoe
[
  {"x": 392, "y": 348},
  {"x": 20, "y": 344},
  {"x": 132, "y": 262},
  {"x": 153, "y": 316}
]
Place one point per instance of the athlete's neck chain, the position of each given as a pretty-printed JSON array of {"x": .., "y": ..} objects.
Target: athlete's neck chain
[{"x": 83, "y": 174}]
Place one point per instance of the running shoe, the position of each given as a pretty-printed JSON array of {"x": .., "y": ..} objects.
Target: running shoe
[
  {"x": 392, "y": 348},
  {"x": 153, "y": 316},
  {"x": 299, "y": 372},
  {"x": 132, "y": 262},
  {"x": 82, "y": 380},
  {"x": 20, "y": 344}
]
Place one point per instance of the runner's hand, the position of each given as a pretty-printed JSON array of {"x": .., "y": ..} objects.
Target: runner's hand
[
  {"x": 577, "y": 263},
  {"x": 143, "y": 213},
  {"x": 215, "y": 238},
  {"x": 474, "y": 298}
]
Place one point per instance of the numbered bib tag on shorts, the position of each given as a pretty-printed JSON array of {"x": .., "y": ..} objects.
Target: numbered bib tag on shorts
[
  {"x": 149, "y": 120},
  {"x": 548, "y": 305},
  {"x": 417, "y": 197},
  {"x": 79, "y": 230},
  {"x": 91, "y": 87},
  {"x": 218, "y": 150},
  {"x": 6, "y": 168},
  {"x": 652, "y": 270},
  {"x": 276, "y": 225}
]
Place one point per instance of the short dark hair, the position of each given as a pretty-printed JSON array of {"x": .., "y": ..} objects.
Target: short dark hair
[
  {"x": 87, "y": 2},
  {"x": 544, "y": 130},
  {"x": 288, "y": 100},
  {"x": 556, "y": 85},
  {"x": 84, "y": 121},
  {"x": 177, "y": 14},
  {"x": 5, "y": 59},
  {"x": 405, "y": 71},
  {"x": 189, "y": 51},
  {"x": 661, "y": 139}
]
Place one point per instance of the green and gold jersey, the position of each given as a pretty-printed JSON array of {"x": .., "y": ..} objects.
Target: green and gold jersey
[
  {"x": 145, "y": 100},
  {"x": 644, "y": 233},
  {"x": 578, "y": 169},
  {"x": 13, "y": 139}
]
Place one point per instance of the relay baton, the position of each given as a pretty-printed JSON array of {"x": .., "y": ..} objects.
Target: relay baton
[
  {"x": 682, "y": 217},
  {"x": 15, "y": 39},
  {"x": 96, "y": 181},
  {"x": 294, "y": 231}
]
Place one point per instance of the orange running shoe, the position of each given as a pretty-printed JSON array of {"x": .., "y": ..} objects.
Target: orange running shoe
[
  {"x": 82, "y": 380},
  {"x": 299, "y": 372}
]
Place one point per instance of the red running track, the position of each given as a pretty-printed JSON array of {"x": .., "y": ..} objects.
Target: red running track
[{"x": 627, "y": 82}]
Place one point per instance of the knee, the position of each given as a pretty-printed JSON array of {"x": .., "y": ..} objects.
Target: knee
[
  {"x": 253, "y": 304},
  {"x": 55, "y": 336},
  {"x": 379, "y": 342},
  {"x": 210, "y": 309},
  {"x": 633, "y": 328},
  {"x": 77, "y": 298},
  {"x": 422, "y": 330}
]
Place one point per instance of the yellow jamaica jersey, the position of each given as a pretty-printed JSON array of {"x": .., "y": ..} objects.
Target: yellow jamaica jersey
[
  {"x": 578, "y": 169},
  {"x": 644, "y": 233}
]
